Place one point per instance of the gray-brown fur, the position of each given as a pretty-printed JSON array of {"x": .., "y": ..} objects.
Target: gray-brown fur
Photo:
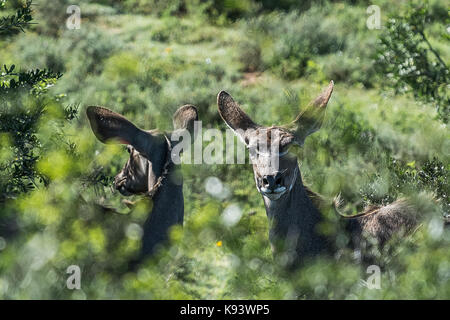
[
  {"x": 232, "y": 114},
  {"x": 292, "y": 208},
  {"x": 107, "y": 125},
  {"x": 149, "y": 160},
  {"x": 184, "y": 117},
  {"x": 381, "y": 223}
]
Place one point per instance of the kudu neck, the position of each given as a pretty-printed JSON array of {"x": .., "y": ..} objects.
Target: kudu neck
[
  {"x": 288, "y": 203},
  {"x": 163, "y": 172},
  {"x": 167, "y": 207},
  {"x": 294, "y": 222}
]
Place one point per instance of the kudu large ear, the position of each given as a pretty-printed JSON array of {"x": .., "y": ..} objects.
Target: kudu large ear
[
  {"x": 310, "y": 120},
  {"x": 109, "y": 126},
  {"x": 184, "y": 118},
  {"x": 233, "y": 115}
]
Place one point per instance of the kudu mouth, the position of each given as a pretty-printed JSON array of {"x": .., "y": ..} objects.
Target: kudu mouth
[
  {"x": 273, "y": 194},
  {"x": 123, "y": 191},
  {"x": 137, "y": 176},
  {"x": 276, "y": 186},
  {"x": 120, "y": 185},
  {"x": 271, "y": 186}
]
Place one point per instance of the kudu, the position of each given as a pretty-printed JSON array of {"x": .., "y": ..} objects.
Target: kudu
[
  {"x": 293, "y": 209},
  {"x": 149, "y": 170}
]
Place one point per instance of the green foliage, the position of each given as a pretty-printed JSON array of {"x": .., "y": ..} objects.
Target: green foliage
[
  {"x": 296, "y": 39},
  {"x": 16, "y": 23},
  {"x": 214, "y": 9},
  {"x": 250, "y": 56},
  {"x": 231, "y": 9},
  {"x": 37, "y": 80},
  {"x": 172, "y": 7},
  {"x": 291, "y": 43},
  {"x": 22, "y": 104},
  {"x": 57, "y": 207},
  {"x": 269, "y": 5},
  {"x": 410, "y": 61},
  {"x": 432, "y": 176},
  {"x": 52, "y": 17}
]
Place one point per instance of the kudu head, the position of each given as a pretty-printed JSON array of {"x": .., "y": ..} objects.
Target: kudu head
[
  {"x": 149, "y": 150},
  {"x": 275, "y": 170}
]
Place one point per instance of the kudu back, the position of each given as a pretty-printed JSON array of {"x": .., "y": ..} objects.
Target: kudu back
[
  {"x": 293, "y": 209},
  {"x": 149, "y": 170}
]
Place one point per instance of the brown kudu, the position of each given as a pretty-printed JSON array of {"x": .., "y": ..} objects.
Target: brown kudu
[
  {"x": 292, "y": 209},
  {"x": 149, "y": 170}
]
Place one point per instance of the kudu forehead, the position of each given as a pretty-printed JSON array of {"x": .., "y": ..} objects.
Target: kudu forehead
[
  {"x": 271, "y": 164},
  {"x": 268, "y": 149},
  {"x": 275, "y": 138}
]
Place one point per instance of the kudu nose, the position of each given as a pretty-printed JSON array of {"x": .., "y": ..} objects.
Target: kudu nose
[{"x": 272, "y": 181}]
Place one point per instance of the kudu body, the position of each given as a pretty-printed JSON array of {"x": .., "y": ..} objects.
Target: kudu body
[
  {"x": 292, "y": 209},
  {"x": 149, "y": 170}
]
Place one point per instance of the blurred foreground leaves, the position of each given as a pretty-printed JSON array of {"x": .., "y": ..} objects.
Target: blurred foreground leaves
[{"x": 57, "y": 208}]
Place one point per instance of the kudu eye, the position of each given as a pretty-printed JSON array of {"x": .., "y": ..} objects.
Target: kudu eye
[{"x": 129, "y": 149}]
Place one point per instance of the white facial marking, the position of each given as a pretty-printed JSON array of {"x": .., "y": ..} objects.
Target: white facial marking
[{"x": 273, "y": 195}]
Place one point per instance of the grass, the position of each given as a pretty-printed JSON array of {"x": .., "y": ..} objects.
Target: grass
[{"x": 145, "y": 67}]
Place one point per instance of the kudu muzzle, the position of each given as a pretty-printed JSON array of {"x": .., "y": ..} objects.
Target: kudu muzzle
[{"x": 133, "y": 178}]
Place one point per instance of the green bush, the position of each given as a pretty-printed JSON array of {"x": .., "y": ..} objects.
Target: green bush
[
  {"x": 52, "y": 17},
  {"x": 295, "y": 39},
  {"x": 411, "y": 63},
  {"x": 145, "y": 66},
  {"x": 250, "y": 56}
]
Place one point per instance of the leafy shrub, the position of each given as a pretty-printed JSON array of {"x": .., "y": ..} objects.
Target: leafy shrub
[
  {"x": 232, "y": 9},
  {"x": 295, "y": 39},
  {"x": 119, "y": 64},
  {"x": 250, "y": 56},
  {"x": 94, "y": 45},
  {"x": 124, "y": 65},
  {"x": 411, "y": 63},
  {"x": 22, "y": 106},
  {"x": 13, "y": 24},
  {"x": 173, "y": 29},
  {"x": 269, "y": 5},
  {"x": 82, "y": 51},
  {"x": 52, "y": 17},
  {"x": 157, "y": 7},
  {"x": 433, "y": 176},
  {"x": 348, "y": 68}
]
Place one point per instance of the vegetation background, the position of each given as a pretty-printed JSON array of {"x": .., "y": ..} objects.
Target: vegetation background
[{"x": 385, "y": 136}]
